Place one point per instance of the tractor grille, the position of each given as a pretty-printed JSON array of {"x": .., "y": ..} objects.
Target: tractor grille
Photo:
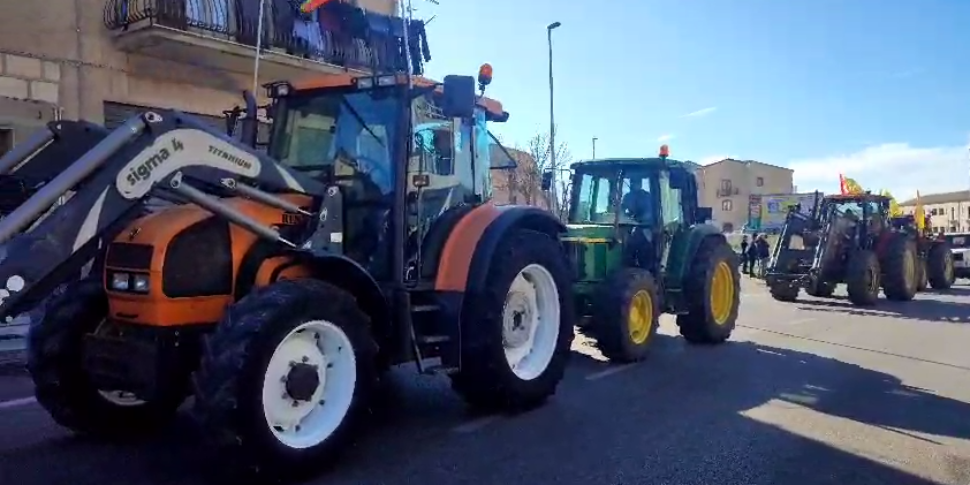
[{"x": 129, "y": 256}]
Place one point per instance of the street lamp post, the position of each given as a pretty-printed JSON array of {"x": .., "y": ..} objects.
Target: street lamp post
[
  {"x": 552, "y": 116},
  {"x": 594, "y": 147}
]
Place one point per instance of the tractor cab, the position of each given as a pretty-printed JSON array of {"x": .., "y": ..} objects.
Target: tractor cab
[
  {"x": 383, "y": 137},
  {"x": 635, "y": 202},
  {"x": 864, "y": 217}
]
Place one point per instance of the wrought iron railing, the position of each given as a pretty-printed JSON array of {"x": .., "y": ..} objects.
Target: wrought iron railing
[{"x": 285, "y": 29}]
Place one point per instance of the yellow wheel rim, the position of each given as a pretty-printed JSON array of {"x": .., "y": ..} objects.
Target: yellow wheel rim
[
  {"x": 722, "y": 293},
  {"x": 640, "y": 317}
]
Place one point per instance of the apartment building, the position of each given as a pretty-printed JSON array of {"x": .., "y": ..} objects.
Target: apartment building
[
  {"x": 726, "y": 186},
  {"x": 947, "y": 211},
  {"x": 104, "y": 60}
]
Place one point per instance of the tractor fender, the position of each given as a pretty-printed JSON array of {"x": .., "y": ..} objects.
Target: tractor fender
[
  {"x": 350, "y": 276},
  {"x": 683, "y": 247},
  {"x": 468, "y": 251}
]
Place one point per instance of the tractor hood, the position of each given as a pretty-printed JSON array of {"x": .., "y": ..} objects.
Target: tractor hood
[{"x": 589, "y": 232}]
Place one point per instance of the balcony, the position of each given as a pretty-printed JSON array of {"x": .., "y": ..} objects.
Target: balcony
[
  {"x": 222, "y": 34},
  {"x": 727, "y": 191}
]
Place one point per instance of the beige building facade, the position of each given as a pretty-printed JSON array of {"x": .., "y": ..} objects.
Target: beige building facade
[
  {"x": 948, "y": 211},
  {"x": 726, "y": 186},
  {"x": 104, "y": 60}
]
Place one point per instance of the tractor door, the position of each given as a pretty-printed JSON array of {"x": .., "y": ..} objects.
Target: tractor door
[
  {"x": 640, "y": 217},
  {"x": 672, "y": 211}
]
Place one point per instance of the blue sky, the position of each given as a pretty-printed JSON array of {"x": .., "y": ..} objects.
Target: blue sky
[{"x": 870, "y": 88}]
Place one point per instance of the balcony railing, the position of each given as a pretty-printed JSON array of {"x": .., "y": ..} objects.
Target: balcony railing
[{"x": 341, "y": 36}]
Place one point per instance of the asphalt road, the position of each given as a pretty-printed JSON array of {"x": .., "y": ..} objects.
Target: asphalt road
[{"x": 815, "y": 392}]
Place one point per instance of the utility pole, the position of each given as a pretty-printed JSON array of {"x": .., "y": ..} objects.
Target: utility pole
[
  {"x": 594, "y": 147},
  {"x": 552, "y": 116}
]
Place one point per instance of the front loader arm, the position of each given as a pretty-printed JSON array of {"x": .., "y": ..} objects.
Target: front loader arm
[{"x": 112, "y": 180}]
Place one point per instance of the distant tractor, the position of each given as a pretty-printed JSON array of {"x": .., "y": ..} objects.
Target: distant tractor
[
  {"x": 640, "y": 246},
  {"x": 852, "y": 239}
]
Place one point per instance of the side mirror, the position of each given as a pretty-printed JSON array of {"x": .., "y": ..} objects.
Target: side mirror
[
  {"x": 703, "y": 214},
  {"x": 546, "y": 182},
  {"x": 458, "y": 96}
]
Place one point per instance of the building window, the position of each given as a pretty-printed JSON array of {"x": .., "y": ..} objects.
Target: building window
[
  {"x": 933, "y": 212},
  {"x": 726, "y": 185},
  {"x": 727, "y": 205},
  {"x": 760, "y": 181},
  {"x": 6, "y": 140}
]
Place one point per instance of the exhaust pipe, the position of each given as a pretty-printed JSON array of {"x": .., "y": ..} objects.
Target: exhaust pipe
[{"x": 21, "y": 218}]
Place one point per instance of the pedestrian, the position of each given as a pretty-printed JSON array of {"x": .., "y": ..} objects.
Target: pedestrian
[
  {"x": 764, "y": 254},
  {"x": 745, "y": 267},
  {"x": 751, "y": 256}
]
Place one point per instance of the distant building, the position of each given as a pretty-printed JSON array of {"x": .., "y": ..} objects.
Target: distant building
[
  {"x": 519, "y": 186},
  {"x": 948, "y": 211},
  {"x": 726, "y": 186}
]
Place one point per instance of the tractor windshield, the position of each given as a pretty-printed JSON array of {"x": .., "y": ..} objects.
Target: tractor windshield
[
  {"x": 339, "y": 134},
  {"x": 599, "y": 195}
]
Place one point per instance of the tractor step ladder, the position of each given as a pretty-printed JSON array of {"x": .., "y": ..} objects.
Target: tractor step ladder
[{"x": 424, "y": 342}]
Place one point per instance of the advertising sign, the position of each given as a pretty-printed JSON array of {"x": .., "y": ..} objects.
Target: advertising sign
[{"x": 773, "y": 208}]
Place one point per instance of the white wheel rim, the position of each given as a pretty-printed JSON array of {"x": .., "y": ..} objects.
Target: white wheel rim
[
  {"x": 121, "y": 398},
  {"x": 530, "y": 322},
  {"x": 305, "y": 423}
]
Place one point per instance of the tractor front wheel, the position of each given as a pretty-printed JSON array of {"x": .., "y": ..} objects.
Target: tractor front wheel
[
  {"x": 516, "y": 333},
  {"x": 900, "y": 269},
  {"x": 939, "y": 266},
  {"x": 820, "y": 288},
  {"x": 922, "y": 282},
  {"x": 862, "y": 278},
  {"x": 55, "y": 354},
  {"x": 286, "y": 377},
  {"x": 626, "y": 315},
  {"x": 713, "y": 292}
]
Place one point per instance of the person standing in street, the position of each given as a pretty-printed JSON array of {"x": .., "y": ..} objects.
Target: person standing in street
[
  {"x": 763, "y": 252},
  {"x": 745, "y": 266}
]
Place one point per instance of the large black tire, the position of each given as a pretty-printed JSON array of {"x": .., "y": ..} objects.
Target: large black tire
[
  {"x": 486, "y": 378},
  {"x": 626, "y": 315},
  {"x": 862, "y": 278},
  {"x": 55, "y": 349},
  {"x": 922, "y": 281},
  {"x": 939, "y": 266},
  {"x": 820, "y": 288},
  {"x": 899, "y": 269},
  {"x": 702, "y": 324},
  {"x": 229, "y": 401},
  {"x": 784, "y": 292}
]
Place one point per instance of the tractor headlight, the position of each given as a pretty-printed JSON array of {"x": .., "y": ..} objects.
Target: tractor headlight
[
  {"x": 140, "y": 283},
  {"x": 120, "y": 281}
]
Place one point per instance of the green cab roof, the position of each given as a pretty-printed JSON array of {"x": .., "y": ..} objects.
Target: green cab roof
[{"x": 627, "y": 163}]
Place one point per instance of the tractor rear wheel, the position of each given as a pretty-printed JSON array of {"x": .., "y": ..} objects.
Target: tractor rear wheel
[
  {"x": 286, "y": 377},
  {"x": 899, "y": 266},
  {"x": 862, "y": 278},
  {"x": 939, "y": 266},
  {"x": 55, "y": 354},
  {"x": 922, "y": 282},
  {"x": 626, "y": 315},
  {"x": 713, "y": 292},
  {"x": 517, "y": 333}
]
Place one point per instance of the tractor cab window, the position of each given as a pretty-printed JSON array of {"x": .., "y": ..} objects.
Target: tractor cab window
[
  {"x": 592, "y": 201},
  {"x": 672, "y": 207},
  {"x": 340, "y": 135},
  {"x": 637, "y": 199}
]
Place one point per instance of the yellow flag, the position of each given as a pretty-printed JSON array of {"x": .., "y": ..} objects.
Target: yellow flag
[{"x": 919, "y": 214}]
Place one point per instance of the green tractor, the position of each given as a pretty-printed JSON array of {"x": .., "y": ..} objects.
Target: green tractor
[{"x": 640, "y": 246}]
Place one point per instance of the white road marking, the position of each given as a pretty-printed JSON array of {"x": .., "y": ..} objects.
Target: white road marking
[
  {"x": 17, "y": 403},
  {"x": 608, "y": 372},
  {"x": 475, "y": 424}
]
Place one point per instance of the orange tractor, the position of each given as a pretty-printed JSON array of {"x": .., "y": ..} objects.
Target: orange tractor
[{"x": 276, "y": 288}]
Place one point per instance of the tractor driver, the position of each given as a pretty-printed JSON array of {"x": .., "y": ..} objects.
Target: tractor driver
[{"x": 638, "y": 206}]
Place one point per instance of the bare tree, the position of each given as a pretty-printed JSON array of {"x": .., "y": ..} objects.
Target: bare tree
[{"x": 524, "y": 183}]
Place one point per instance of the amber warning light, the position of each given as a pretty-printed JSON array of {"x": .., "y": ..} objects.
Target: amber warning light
[
  {"x": 485, "y": 74},
  {"x": 664, "y": 151}
]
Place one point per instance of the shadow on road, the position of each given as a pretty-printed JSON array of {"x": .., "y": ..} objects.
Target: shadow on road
[
  {"x": 918, "y": 309},
  {"x": 676, "y": 418}
]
